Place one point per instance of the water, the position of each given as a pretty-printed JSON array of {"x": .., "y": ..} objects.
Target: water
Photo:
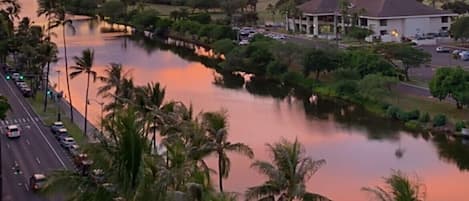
[{"x": 359, "y": 149}]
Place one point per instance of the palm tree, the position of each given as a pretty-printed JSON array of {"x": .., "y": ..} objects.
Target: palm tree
[
  {"x": 217, "y": 126},
  {"x": 114, "y": 75},
  {"x": 286, "y": 175},
  {"x": 150, "y": 98},
  {"x": 399, "y": 187},
  {"x": 84, "y": 65}
]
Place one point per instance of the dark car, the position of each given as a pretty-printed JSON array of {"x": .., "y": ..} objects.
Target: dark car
[
  {"x": 37, "y": 181},
  {"x": 27, "y": 92},
  {"x": 97, "y": 175}
]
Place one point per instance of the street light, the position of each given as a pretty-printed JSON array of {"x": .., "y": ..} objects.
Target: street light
[{"x": 102, "y": 110}]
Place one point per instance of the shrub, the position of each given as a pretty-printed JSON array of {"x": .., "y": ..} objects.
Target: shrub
[
  {"x": 392, "y": 112},
  {"x": 414, "y": 114},
  {"x": 403, "y": 116},
  {"x": 413, "y": 125},
  {"x": 460, "y": 125},
  {"x": 202, "y": 18},
  {"x": 439, "y": 120},
  {"x": 346, "y": 88},
  {"x": 424, "y": 118}
]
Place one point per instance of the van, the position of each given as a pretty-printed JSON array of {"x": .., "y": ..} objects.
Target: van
[{"x": 13, "y": 131}]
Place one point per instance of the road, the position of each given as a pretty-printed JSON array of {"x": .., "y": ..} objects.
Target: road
[{"x": 36, "y": 151}]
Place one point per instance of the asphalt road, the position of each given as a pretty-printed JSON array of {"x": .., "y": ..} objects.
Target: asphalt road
[{"x": 36, "y": 151}]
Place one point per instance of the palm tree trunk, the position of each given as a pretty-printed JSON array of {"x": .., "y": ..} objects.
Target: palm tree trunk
[
  {"x": 48, "y": 68},
  {"x": 66, "y": 74},
  {"x": 86, "y": 104},
  {"x": 220, "y": 174}
]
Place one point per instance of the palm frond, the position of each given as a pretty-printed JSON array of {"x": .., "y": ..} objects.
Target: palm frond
[{"x": 241, "y": 149}]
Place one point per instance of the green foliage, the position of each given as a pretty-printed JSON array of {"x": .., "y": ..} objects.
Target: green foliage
[
  {"x": 81, "y": 7},
  {"x": 223, "y": 46},
  {"x": 460, "y": 29},
  {"x": 376, "y": 86},
  {"x": 366, "y": 62},
  {"x": 202, "y": 4},
  {"x": 114, "y": 9},
  {"x": 346, "y": 74},
  {"x": 410, "y": 56},
  {"x": 452, "y": 82},
  {"x": 316, "y": 60},
  {"x": 202, "y": 18},
  {"x": 399, "y": 187},
  {"x": 145, "y": 20},
  {"x": 424, "y": 118},
  {"x": 4, "y": 106},
  {"x": 439, "y": 120},
  {"x": 460, "y": 125},
  {"x": 359, "y": 33},
  {"x": 413, "y": 125},
  {"x": 414, "y": 114},
  {"x": 458, "y": 6},
  {"x": 346, "y": 87}
]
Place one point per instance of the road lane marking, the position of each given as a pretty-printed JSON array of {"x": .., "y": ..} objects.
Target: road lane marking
[
  {"x": 37, "y": 119},
  {"x": 38, "y": 161},
  {"x": 6, "y": 121},
  {"x": 26, "y": 187},
  {"x": 35, "y": 123},
  {"x": 27, "y": 142},
  {"x": 3, "y": 123},
  {"x": 8, "y": 146},
  {"x": 24, "y": 120}
]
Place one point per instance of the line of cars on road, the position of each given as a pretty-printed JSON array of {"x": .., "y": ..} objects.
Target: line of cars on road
[
  {"x": 247, "y": 33},
  {"x": 457, "y": 53},
  {"x": 80, "y": 160}
]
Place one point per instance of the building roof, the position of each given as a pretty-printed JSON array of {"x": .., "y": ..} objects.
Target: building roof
[{"x": 374, "y": 8}]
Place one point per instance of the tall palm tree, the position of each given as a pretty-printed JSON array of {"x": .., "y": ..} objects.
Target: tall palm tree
[
  {"x": 150, "y": 98},
  {"x": 216, "y": 124},
  {"x": 399, "y": 187},
  {"x": 84, "y": 65},
  {"x": 286, "y": 175},
  {"x": 112, "y": 79}
]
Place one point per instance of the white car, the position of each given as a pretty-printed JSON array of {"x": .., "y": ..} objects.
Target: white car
[
  {"x": 13, "y": 131},
  {"x": 443, "y": 49},
  {"x": 464, "y": 55},
  {"x": 67, "y": 142},
  {"x": 15, "y": 76},
  {"x": 244, "y": 42}
]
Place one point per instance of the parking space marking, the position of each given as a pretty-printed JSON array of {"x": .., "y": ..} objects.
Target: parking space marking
[
  {"x": 27, "y": 142},
  {"x": 38, "y": 161}
]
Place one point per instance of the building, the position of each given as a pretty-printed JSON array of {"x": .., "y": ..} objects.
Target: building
[{"x": 390, "y": 20}]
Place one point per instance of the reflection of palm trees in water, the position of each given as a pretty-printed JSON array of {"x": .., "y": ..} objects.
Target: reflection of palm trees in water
[{"x": 399, "y": 151}]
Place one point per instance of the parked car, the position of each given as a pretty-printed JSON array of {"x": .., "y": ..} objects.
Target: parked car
[
  {"x": 21, "y": 84},
  {"x": 442, "y": 49},
  {"x": 13, "y": 131},
  {"x": 97, "y": 175},
  {"x": 15, "y": 76},
  {"x": 74, "y": 149},
  {"x": 67, "y": 142},
  {"x": 61, "y": 133},
  {"x": 56, "y": 126},
  {"x": 37, "y": 181},
  {"x": 27, "y": 92},
  {"x": 464, "y": 55},
  {"x": 244, "y": 42}
]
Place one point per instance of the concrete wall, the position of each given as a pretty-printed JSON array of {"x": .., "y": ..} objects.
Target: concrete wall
[
  {"x": 436, "y": 24},
  {"x": 416, "y": 26}
]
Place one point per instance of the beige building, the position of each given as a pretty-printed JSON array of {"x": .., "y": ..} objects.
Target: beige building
[{"x": 390, "y": 20}]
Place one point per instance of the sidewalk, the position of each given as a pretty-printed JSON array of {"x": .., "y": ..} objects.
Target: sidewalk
[{"x": 78, "y": 119}]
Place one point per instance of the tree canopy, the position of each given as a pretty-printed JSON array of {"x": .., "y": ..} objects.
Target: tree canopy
[
  {"x": 460, "y": 29},
  {"x": 451, "y": 82}
]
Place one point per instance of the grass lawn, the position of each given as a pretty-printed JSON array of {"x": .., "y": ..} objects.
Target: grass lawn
[
  {"x": 50, "y": 116},
  {"x": 430, "y": 105}
]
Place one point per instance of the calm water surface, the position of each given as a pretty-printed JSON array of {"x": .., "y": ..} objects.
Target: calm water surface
[{"x": 359, "y": 150}]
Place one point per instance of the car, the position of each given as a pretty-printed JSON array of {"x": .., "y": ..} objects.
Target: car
[
  {"x": 97, "y": 175},
  {"x": 21, "y": 84},
  {"x": 74, "y": 149},
  {"x": 442, "y": 49},
  {"x": 62, "y": 132},
  {"x": 15, "y": 76},
  {"x": 67, "y": 142},
  {"x": 37, "y": 181},
  {"x": 13, "y": 131},
  {"x": 464, "y": 55},
  {"x": 56, "y": 126},
  {"x": 244, "y": 42},
  {"x": 456, "y": 52},
  {"x": 27, "y": 92}
]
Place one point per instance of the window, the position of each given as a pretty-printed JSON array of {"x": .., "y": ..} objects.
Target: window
[
  {"x": 364, "y": 22},
  {"x": 444, "y": 19},
  {"x": 444, "y": 28},
  {"x": 383, "y": 32},
  {"x": 383, "y": 23}
]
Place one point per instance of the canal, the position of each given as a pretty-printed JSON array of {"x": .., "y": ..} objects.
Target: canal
[{"x": 359, "y": 148}]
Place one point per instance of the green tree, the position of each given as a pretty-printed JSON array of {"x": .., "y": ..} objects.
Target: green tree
[
  {"x": 359, "y": 33},
  {"x": 202, "y": 4},
  {"x": 223, "y": 46},
  {"x": 84, "y": 65},
  {"x": 460, "y": 29},
  {"x": 459, "y": 7},
  {"x": 286, "y": 175},
  {"x": 114, "y": 9},
  {"x": 366, "y": 62},
  {"x": 453, "y": 82},
  {"x": 410, "y": 57},
  {"x": 112, "y": 80},
  {"x": 318, "y": 61},
  {"x": 401, "y": 188},
  {"x": 375, "y": 87},
  {"x": 4, "y": 106},
  {"x": 216, "y": 124}
]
